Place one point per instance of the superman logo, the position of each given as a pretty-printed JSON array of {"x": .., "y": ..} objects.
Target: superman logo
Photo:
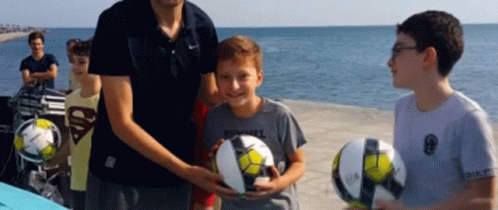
[{"x": 81, "y": 121}]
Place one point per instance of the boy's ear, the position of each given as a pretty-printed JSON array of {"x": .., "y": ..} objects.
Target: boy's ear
[
  {"x": 430, "y": 58},
  {"x": 260, "y": 78}
]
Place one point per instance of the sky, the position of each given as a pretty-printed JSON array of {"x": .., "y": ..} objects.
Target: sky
[{"x": 256, "y": 13}]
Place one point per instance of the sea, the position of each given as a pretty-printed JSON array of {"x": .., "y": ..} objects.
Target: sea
[{"x": 340, "y": 65}]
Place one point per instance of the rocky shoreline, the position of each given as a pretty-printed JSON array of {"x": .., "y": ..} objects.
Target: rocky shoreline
[{"x": 12, "y": 36}]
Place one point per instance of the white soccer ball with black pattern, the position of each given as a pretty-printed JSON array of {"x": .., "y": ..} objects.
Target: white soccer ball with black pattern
[
  {"x": 37, "y": 140},
  {"x": 243, "y": 160},
  {"x": 365, "y": 170}
]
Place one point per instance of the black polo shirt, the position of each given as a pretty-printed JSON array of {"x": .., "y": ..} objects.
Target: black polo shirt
[
  {"x": 41, "y": 65},
  {"x": 165, "y": 77}
]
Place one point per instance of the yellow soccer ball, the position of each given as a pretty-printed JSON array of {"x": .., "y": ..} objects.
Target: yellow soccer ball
[
  {"x": 243, "y": 160},
  {"x": 37, "y": 140},
  {"x": 378, "y": 167},
  {"x": 365, "y": 170}
]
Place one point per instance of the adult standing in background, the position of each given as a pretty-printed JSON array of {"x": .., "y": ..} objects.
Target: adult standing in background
[
  {"x": 39, "y": 67},
  {"x": 153, "y": 66}
]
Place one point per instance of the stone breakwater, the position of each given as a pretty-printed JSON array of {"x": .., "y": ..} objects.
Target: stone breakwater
[{"x": 12, "y": 36}]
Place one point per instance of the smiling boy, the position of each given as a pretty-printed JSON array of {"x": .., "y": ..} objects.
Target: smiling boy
[
  {"x": 239, "y": 73},
  {"x": 444, "y": 138}
]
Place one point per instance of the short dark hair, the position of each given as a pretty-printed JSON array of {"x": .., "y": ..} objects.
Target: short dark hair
[
  {"x": 73, "y": 40},
  {"x": 36, "y": 35},
  {"x": 240, "y": 49},
  {"x": 436, "y": 29},
  {"x": 82, "y": 48}
]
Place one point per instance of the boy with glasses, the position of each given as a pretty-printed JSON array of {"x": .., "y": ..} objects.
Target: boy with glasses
[{"x": 444, "y": 137}]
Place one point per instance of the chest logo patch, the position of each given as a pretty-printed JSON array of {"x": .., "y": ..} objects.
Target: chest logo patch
[
  {"x": 79, "y": 126},
  {"x": 430, "y": 144}
]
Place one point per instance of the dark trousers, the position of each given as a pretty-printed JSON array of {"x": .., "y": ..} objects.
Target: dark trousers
[
  {"x": 109, "y": 196},
  {"x": 79, "y": 200}
]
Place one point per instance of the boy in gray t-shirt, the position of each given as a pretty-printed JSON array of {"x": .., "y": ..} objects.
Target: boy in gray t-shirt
[
  {"x": 238, "y": 74},
  {"x": 444, "y": 138}
]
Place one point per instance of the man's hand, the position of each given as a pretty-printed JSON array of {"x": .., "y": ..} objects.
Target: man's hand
[
  {"x": 30, "y": 82},
  {"x": 214, "y": 149},
  {"x": 208, "y": 181},
  {"x": 212, "y": 153}
]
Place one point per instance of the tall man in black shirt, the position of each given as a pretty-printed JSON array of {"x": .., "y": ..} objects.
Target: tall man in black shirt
[{"x": 155, "y": 58}]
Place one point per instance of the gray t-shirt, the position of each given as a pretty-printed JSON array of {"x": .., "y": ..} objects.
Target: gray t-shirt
[
  {"x": 276, "y": 126},
  {"x": 443, "y": 148}
]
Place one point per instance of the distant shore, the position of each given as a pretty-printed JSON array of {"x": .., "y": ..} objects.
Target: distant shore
[{"x": 12, "y": 36}]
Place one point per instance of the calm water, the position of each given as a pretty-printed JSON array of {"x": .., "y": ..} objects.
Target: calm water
[{"x": 343, "y": 65}]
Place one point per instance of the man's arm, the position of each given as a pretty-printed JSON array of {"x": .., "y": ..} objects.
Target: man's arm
[
  {"x": 26, "y": 77},
  {"x": 50, "y": 74},
  {"x": 208, "y": 91},
  {"x": 118, "y": 98}
]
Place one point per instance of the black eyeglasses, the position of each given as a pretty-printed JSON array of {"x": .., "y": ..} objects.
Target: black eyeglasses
[{"x": 396, "y": 50}]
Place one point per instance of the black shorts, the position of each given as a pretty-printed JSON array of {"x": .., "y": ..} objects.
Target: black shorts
[{"x": 109, "y": 196}]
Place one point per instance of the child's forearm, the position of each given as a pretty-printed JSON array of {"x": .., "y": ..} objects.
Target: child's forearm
[
  {"x": 292, "y": 175},
  {"x": 474, "y": 204},
  {"x": 296, "y": 169},
  {"x": 60, "y": 156},
  {"x": 478, "y": 194}
]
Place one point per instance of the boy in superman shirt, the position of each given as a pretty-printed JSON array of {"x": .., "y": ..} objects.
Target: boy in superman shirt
[{"x": 81, "y": 115}]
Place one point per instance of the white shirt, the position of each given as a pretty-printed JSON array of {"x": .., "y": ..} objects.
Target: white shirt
[{"x": 442, "y": 148}]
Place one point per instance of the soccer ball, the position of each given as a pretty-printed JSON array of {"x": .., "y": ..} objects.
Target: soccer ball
[
  {"x": 37, "y": 140},
  {"x": 365, "y": 170},
  {"x": 243, "y": 160}
]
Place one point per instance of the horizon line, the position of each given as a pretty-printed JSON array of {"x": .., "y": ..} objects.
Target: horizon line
[{"x": 278, "y": 26}]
